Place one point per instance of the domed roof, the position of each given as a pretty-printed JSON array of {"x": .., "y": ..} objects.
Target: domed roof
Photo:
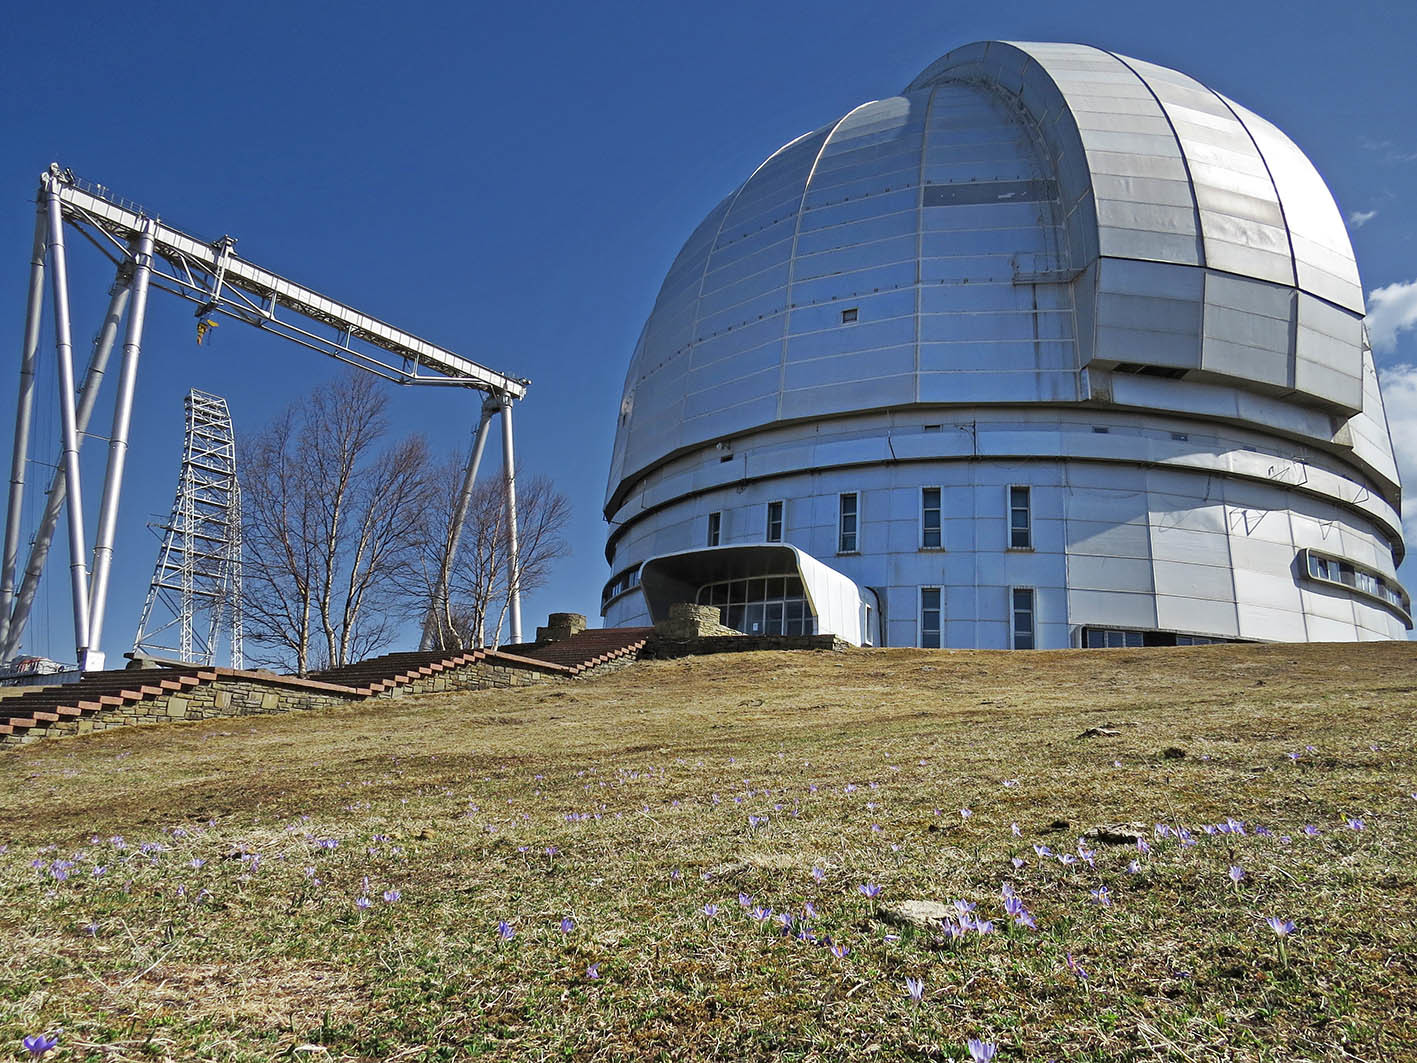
[{"x": 1021, "y": 215}]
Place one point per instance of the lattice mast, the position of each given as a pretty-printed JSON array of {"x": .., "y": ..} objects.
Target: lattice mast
[{"x": 196, "y": 586}]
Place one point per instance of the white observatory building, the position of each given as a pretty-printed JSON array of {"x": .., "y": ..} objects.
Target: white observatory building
[{"x": 1054, "y": 349}]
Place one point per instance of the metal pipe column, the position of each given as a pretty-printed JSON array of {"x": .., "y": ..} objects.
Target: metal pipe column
[
  {"x": 64, "y": 350},
  {"x": 514, "y": 590},
  {"x": 438, "y": 608},
  {"x": 54, "y": 500},
  {"x": 24, "y": 409},
  {"x": 118, "y": 443}
]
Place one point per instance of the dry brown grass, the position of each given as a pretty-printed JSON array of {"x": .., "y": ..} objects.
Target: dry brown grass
[{"x": 437, "y": 796}]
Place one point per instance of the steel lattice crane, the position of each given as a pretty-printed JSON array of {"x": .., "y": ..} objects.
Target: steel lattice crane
[
  {"x": 150, "y": 254},
  {"x": 199, "y": 563}
]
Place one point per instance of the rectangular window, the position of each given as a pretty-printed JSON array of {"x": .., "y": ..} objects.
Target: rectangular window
[
  {"x": 774, "y": 531},
  {"x": 930, "y": 617},
  {"x": 849, "y": 518},
  {"x": 715, "y": 526},
  {"x": 849, "y": 315},
  {"x": 930, "y": 532},
  {"x": 1020, "y": 519},
  {"x": 1021, "y": 598}
]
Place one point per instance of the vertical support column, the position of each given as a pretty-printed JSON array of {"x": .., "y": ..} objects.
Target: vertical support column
[
  {"x": 438, "y": 608},
  {"x": 64, "y": 351},
  {"x": 514, "y": 590},
  {"x": 118, "y": 444},
  {"x": 54, "y": 500},
  {"x": 34, "y": 308}
]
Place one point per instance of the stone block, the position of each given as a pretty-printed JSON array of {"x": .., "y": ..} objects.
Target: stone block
[
  {"x": 688, "y": 621},
  {"x": 561, "y": 626},
  {"x": 177, "y": 708}
]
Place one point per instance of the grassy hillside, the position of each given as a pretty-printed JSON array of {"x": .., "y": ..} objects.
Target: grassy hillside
[{"x": 330, "y": 885}]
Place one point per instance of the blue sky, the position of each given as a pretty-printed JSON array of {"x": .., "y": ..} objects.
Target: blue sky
[{"x": 512, "y": 181}]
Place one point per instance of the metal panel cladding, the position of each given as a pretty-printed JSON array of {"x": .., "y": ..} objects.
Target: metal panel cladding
[{"x": 1021, "y": 213}]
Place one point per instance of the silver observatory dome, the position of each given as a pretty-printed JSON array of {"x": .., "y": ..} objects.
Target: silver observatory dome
[{"x": 1055, "y": 348}]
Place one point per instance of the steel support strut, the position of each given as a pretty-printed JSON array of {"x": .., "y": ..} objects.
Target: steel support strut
[
  {"x": 433, "y": 630},
  {"x": 118, "y": 444},
  {"x": 54, "y": 500},
  {"x": 514, "y": 590},
  {"x": 64, "y": 351},
  {"x": 34, "y": 310}
]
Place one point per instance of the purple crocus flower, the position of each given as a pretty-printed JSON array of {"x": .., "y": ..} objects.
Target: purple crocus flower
[
  {"x": 710, "y": 910},
  {"x": 810, "y": 909},
  {"x": 840, "y": 951},
  {"x": 1067, "y": 859},
  {"x": 818, "y": 874},
  {"x": 981, "y": 1051},
  {"x": 1013, "y": 906},
  {"x": 1282, "y": 927},
  {"x": 915, "y": 987},
  {"x": 363, "y": 904},
  {"x": 869, "y": 889},
  {"x": 761, "y": 914},
  {"x": 1076, "y": 968},
  {"x": 392, "y": 896},
  {"x": 593, "y": 971},
  {"x": 1311, "y": 830},
  {"x": 745, "y": 899},
  {"x": 567, "y": 924},
  {"x": 1134, "y": 868},
  {"x": 786, "y": 919},
  {"x": 1042, "y": 850},
  {"x": 964, "y": 907},
  {"x": 504, "y": 930},
  {"x": 39, "y": 1044},
  {"x": 965, "y": 813},
  {"x": 1102, "y": 896},
  {"x": 1236, "y": 873},
  {"x": 1025, "y": 919},
  {"x": 1354, "y": 824},
  {"x": 1017, "y": 861}
]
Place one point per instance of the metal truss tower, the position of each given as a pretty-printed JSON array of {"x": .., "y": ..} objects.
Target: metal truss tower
[{"x": 199, "y": 565}]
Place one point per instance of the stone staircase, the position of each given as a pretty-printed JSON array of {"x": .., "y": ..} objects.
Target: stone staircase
[
  {"x": 44, "y": 707},
  {"x": 175, "y": 691}
]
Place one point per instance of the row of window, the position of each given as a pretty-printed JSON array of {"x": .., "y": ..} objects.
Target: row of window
[
  {"x": 1108, "y": 638},
  {"x": 620, "y": 583},
  {"x": 1330, "y": 569},
  {"x": 763, "y": 605},
  {"x": 931, "y": 521},
  {"x": 1022, "y": 634}
]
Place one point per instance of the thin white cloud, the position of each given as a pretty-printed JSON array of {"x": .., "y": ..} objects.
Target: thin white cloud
[
  {"x": 1360, "y": 218},
  {"x": 1391, "y": 309},
  {"x": 1400, "y": 400}
]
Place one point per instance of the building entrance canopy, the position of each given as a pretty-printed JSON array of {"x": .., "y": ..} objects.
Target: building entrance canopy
[{"x": 831, "y": 598}]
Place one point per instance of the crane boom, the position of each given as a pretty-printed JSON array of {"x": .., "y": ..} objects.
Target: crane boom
[{"x": 211, "y": 275}]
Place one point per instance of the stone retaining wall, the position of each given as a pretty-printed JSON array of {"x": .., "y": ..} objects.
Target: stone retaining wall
[
  {"x": 248, "y": 695},
  {"x": 659, "y": 648}
]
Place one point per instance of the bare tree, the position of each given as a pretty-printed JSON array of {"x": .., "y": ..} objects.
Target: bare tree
[
  {"x": 334, "y": 528},
  {"x": 471, "y": 616}
]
